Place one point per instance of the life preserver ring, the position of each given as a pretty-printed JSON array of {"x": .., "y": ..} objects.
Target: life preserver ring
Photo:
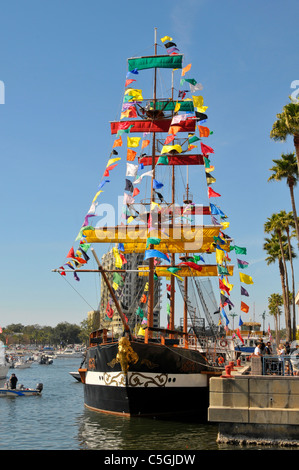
[
  {"x": 220, "y": 360},
  {"x": 223, "y": 343}
]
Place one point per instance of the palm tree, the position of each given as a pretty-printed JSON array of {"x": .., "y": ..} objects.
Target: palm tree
[
  {"x": 287, "y": 124},
  {"x": 273, "y": 247},
  {"x": 274, "y": 304},
  {"x": 286, "y": 168},
  {"x": 287, "y": 221}
]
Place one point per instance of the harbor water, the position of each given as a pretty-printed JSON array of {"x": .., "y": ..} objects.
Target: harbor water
[{"x": 58, "y": 420}]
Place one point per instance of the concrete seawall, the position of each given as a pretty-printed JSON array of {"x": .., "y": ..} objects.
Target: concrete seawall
[{"x": 255, "y": 409}]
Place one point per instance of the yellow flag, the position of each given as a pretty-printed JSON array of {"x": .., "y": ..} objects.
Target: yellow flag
[
  {"x": 245, "y": 278},
  {"x": 95, "y": 198},
  {"x": 155, "y": 204},
  {"x": 118, "y": 260},
  {"x": 137, "y": 94},
  {"x": 133, "y": 142},
  {"x": 227, "y": 284},
  {"x": 141, "y": 332},
  {"x": 177, "y": 107},
  {"x": 112, "y": 160},
  {"x": 219, "y": 256},
  {"x": 168, "y": 148},
  {"x": 198, "y": 103},
  {"x": 166, "y": 38},
  {"x": 225, "y": 225}
]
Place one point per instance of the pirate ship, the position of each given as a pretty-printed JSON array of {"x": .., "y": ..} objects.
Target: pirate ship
[{"x": 149, "y": 370}]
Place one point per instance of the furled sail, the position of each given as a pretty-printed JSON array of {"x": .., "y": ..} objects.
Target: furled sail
[{"x": 150, "y": 62}]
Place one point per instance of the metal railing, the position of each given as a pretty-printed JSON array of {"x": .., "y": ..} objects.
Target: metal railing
[{"x": 280, "y": 365}]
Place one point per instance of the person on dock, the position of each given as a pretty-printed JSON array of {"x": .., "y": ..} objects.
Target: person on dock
[
  {"x": 268, "y": 349},
  {"x": 258, "y": 350},
  {"x": 13, "y": 381}
]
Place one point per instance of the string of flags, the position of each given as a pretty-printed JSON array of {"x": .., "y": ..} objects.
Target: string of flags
[{"x": 135, "y": 148}]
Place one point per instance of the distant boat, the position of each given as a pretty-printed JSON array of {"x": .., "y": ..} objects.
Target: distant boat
[
  {"x": 45, "y": 359},
  {"x": 68, "y": 352},
  {"x": 22, "y": 364}
]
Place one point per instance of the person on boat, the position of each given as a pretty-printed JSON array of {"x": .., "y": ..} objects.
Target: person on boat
[{"x": 13, "y": 381}]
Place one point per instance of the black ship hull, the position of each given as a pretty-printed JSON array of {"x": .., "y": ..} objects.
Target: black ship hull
[{"x": 161, "y": 381}]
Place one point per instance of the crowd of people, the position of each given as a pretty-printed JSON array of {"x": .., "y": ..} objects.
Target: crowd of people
[{"x": 283, "y": 351}]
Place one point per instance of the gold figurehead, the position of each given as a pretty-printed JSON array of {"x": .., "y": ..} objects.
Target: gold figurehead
[{"x": 125, "y": 354}]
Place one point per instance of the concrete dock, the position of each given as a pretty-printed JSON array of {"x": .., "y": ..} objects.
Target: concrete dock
[{"x": 255, "y": 409}]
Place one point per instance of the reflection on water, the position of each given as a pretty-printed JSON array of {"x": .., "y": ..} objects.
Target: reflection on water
[{"x": 100, "y": 431}]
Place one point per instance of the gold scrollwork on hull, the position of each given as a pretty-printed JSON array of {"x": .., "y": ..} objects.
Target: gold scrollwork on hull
[
  {"x": 136, "y": 379},
  {"x": 118, "y": 380}
]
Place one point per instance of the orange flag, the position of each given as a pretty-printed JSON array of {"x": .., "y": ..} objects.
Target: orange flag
[
  {"x": 145, "y": 143},
  {"x": 244, "y": 307},
  {"x": 204, "y": 131},
  {"x": 186, "y": 69},
  {"x": 131, "y": 154},
  {"x": 118, "y": 143}
]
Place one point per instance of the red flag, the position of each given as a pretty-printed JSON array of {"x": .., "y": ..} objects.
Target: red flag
[
  {"x": 135, "y": 192},
  {"x": 106, "y": 172},
  {"x": 129, "y": 81},
  {"x": 169, "y": 139},
  {"x": 71, "y": 253},
  {"x": 239, "y": 335},
  {"x": 206, "y": 149},
  {"x": 192, "y": 265},
  {"x": 212, "y": 193},
  {"x": 109, "y": 310},
  {"x": 223, "y": 287},
  {"x": 62, "y": 274}
]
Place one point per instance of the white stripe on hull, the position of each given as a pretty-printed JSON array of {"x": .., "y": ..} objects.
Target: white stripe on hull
[{"x": 145, "y": 379}]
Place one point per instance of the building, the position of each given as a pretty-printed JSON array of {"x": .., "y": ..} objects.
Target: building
[{"x": 129, "y": 294}]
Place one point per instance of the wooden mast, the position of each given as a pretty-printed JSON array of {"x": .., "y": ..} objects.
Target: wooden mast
[
  {"x": 150, "y": 314},
  {"x": 172, "y": 278}
]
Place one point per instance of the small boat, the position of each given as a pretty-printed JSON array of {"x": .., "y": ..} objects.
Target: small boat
[
  {"x": 22, "y": 364},
  {"x": 21, "y": 391},
  {"x": 68, "y": 352},
  {"x": 76, "y": 375},
  {"x": 44, "y": 359}
]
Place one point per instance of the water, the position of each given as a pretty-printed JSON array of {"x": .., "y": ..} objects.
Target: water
[{"x": 58, "y": 420}]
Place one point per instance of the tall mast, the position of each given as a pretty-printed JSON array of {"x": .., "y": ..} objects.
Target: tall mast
[
  {"x": 150, "y": 316},
  {"x": 172, "y": 279}
]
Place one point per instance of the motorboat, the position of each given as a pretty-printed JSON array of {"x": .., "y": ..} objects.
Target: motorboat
[
  {"x": 21, "y": 391},
  {"x": 45, "y": 359},
  {"x": 22, "y": 364},
  {"x": 69, "y": 352},
  {"x": 76, "y": 375}
]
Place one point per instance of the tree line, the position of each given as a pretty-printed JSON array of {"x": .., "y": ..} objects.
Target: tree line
[
  {"x": 59, "y": 336},
  {"x": 282, "y": 227}
]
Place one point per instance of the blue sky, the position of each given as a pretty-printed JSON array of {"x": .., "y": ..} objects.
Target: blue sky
[{"x": 63, "y": 64}]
